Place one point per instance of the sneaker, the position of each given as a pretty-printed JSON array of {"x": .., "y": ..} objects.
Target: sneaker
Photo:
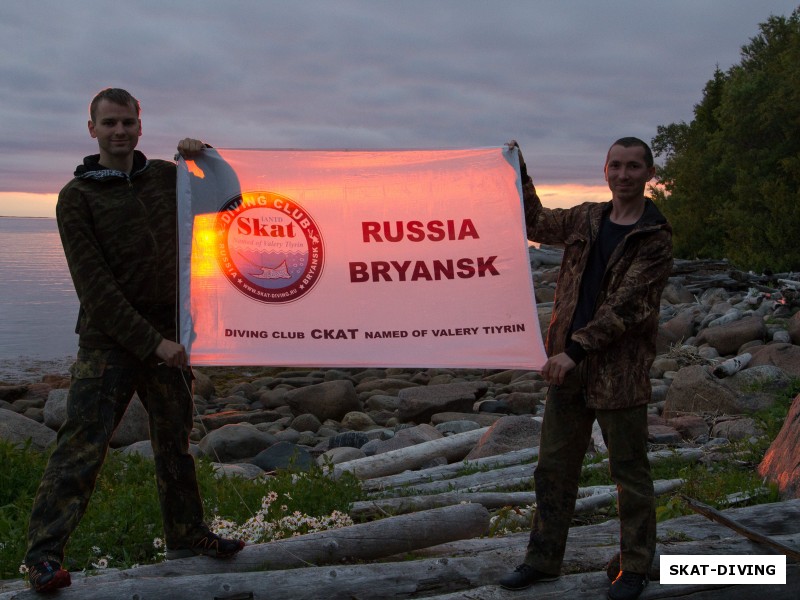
[
  {"x": 627, "y": 586},
  {"x": 48, "y": 576},
  {"x": 210, "y": 544},
  {"x": 524, "y": 576}
]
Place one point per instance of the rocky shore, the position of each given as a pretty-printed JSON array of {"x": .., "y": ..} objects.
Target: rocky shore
[{"x": 254, "y": 420}]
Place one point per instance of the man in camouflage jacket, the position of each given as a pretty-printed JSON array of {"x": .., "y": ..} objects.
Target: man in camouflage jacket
[
  {"x": 117, "y": 221},
  {"x": 601, "y": 344}
]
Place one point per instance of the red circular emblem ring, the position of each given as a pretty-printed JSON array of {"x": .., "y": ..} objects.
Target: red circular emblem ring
[{"x": 270, "y": 247}]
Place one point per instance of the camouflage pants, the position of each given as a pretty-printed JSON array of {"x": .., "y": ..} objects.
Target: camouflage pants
[
  {"x": 103, "y": 383},
  {"x": 566, "y": 432}
]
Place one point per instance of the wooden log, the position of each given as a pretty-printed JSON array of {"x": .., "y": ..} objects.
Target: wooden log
[
  {"x": 715, "y": 515},
  {"x": 733, "y": 365},
  {"x": 514, "y": 457},
  {"x": 408, "y": 579},
  {"x": 594, "y": 585},
  {"x": 394, "y": 506},
  {"x": 366, "y": 541},
  {"x": 498, "y": 479},
  {"x": 453, "y": 448},
  {"x": 436, "y": 578}
]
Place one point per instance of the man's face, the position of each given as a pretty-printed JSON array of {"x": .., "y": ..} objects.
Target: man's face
[
  {"x": 117, "y": 129},
  {"x": 627, "y": 173}
]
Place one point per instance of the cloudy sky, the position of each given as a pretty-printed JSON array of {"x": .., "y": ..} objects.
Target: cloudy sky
[{"x": 564, "y": 77}]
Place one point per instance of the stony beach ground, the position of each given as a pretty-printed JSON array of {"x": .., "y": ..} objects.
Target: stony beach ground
[{"x": 728, "y": 346}]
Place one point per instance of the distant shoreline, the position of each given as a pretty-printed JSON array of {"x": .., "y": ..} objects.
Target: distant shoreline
[{"x": 21, "y": 217}]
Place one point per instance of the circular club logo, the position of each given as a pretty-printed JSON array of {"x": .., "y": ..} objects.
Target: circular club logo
[{"x": 270, "y": 248}]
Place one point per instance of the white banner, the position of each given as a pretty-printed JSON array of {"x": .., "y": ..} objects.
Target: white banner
[{"x": 414, "y": 258}]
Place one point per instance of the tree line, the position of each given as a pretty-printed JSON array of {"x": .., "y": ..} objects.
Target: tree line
[{"x": 730, "y": 179}]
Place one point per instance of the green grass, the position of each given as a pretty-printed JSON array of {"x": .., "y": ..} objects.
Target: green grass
[
  {"x": 124, "y": 518},
  {"x": 732, "y": 471}
]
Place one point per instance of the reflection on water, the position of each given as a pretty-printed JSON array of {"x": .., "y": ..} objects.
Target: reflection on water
[{"x": 38, "y": 305}]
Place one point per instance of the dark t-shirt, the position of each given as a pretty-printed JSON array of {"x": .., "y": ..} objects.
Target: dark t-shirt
[{"x": 608, "y": 239}]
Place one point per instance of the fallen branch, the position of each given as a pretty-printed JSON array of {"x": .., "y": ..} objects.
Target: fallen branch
[{"x": 716, "y": 516}]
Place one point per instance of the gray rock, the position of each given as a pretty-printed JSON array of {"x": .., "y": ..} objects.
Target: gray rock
[
  {"x": 283, "y": 456},
  {"x": 145, "y": 448},
  {"x": 202, "y": 385},
  {"x": 306, "y": 422},
  {"x": 243, "y": 470},
  {"x": 339, "y": 455},
  {"x": 663, "y": 434},
  {"x": 348, "y": 439},
  {"x": 728, "y": 338},
  {"x": 695, "y": 390},
  {"x": 451, "y": 427},
  {"x": 134, "y": 426},
  {"x": 793, "y": 327},
  {"x": 507, "y": 434},
  {"x": 736, "y": 429},
  {"x": 358, "y": 421},
  {"x": 403, "y": 439},
  {"x": 418, "y": 404},
  {"x": 328, "y": 400},
  {"x": 235, "y": 442},
  {"x": 691, "y": 427},
  {"x": 18, "y": 429},
  {"x": 288, "y": 435},
  {"x": 784, "y": 356}
]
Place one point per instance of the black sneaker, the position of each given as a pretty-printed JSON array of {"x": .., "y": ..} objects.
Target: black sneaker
[
  {"x": 48, "y": 576},
  {"x": 627, "y": 586},
  {"x": 210, "y": 544},
  {"x": 524, "y": 576}
]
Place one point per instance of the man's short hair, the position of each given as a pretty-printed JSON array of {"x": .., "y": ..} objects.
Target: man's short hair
[
  {"x": 629, "y": 142},
  {"x": 115, "y": 95}
]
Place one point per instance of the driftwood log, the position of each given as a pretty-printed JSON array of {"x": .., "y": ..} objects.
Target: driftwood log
[
  {"x": 717, "y": 516},
  {"x": 441, "y": 578},
  {"x": 587, "y": 502},
  {"x": 366, "y": 541},
  {"x": 453, "y": 448},
  {"x": 470, "y": 568},
  {"x": 507, "y": 459}
]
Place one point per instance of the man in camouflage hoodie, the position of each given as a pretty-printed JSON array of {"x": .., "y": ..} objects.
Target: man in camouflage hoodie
[
  {"x": 601, "y": 344},
  {"x": 117, "y": 221}
]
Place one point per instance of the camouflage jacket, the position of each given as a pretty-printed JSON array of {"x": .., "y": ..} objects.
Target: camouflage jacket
[
  {"x": 620, "y": 340},
  {"x": 119, "y": 237}
]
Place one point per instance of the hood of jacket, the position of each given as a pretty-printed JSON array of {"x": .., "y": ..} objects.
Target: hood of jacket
[{"x": 92, "y": 169}]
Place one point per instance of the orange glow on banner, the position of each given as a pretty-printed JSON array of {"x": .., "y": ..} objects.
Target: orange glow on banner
[{"x": 412, "y": 258}]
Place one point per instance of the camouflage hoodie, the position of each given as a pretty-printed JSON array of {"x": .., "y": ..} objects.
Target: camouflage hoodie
[
  {"x": 620, "y": 339},
  {"x": 119, "y": 236}
]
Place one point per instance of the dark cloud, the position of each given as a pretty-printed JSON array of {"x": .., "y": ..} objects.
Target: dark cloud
[{"x": 564, "y": 78}]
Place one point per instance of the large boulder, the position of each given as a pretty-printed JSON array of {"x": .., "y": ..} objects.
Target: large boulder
[
  {"x": 793, "y": 326},
  {"x": 419, "y": 404},
  {"x": 728, "y": 338},
  {"x": 328, "y": 400},
  {"x": 508, "y": 434},
  {"x": 784, "y": 356},
  {"x": 235, "y": 441},
  {"x": 695, "y": 390},
  {"x": 134, "y": 426},
  {"x": 781, "y": 463},
  {"x": 19, "y": 430},
  {"x": 283, "y": 456}
]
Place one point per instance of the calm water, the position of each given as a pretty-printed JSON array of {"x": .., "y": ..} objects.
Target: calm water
[{"x": 38, "y": 304}]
